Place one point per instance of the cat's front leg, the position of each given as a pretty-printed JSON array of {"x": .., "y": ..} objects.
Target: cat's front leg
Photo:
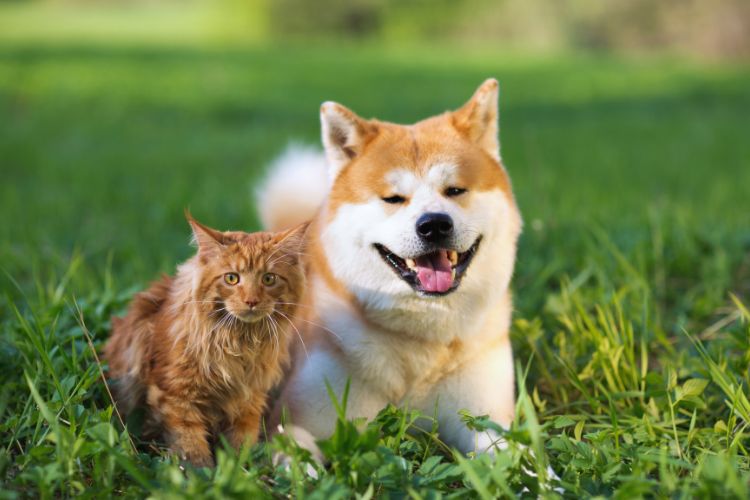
[
  {"x": 245, "y": 427},
  {"x": 186, "y": 432}
]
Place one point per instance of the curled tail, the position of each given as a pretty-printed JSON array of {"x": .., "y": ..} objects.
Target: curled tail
[{"x": 296, "y": 185}]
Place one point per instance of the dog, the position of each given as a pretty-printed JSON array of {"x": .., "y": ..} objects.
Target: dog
[{"x": 410, "y": 252}]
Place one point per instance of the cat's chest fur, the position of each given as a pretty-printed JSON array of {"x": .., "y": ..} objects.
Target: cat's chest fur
[{"x": 233, "y": 372}]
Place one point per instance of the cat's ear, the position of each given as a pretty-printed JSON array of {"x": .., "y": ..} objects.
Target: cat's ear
[
  {"x": 209, "y": 241},
  {"x": 344, "y": 135},
  {"x": 477, "y": 119},
  {"x": 293, "y": 241}
]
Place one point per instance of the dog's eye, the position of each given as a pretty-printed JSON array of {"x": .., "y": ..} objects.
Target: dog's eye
[
  {"x": 454, "y": 191},
  {"x": 231, "y": 278},
  {"x": 394, "y": 199}
]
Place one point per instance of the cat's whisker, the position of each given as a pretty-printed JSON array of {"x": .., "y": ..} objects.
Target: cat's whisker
[
  {"x": 293, "y": 304},
  {"x": 311, "y": 322},
  {"x": 220, "y": 310},
  {"x": 304, "y": 347},
  {"x": 323, "y": 327},
  {"x": 283, "y": 256},
  {"x": 220, "y": 323},
  {"x": 281, "y": 259},
  {"x": 290, "y": 253},
  {"x": 277, "y": 249},
  {"x": 275, "y": 334}
]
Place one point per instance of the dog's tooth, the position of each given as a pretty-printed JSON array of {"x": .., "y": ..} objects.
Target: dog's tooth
[
  {"x": 453, "y": 274},
  {"x": 411, "y": 263},
  {"x": 453, "y": 257}
]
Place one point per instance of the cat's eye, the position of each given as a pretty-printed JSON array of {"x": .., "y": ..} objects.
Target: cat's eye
[
  {"x": 268, "y": 279},
  {"x": 231, "y": 278},
  {"x": 454, "y": 191},
  {"x": 394, "y": 199}
]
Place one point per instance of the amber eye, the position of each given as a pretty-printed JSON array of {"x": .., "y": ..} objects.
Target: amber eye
[
  {"x": 268, "y": 279},
  {"x": 231, "y": 278}
]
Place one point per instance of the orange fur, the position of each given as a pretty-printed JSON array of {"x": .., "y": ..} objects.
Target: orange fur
[{"x": 200, "y": 353}]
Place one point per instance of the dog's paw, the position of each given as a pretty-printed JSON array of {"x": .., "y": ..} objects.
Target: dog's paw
[{"x": 304, "y": 440}]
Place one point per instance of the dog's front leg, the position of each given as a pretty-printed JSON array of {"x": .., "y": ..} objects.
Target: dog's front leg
[
  {"x": 483, "y": 385},
  {"x": 310, "y": 412}
]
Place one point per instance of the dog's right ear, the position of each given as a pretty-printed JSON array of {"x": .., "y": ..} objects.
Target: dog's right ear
[
  {"x": 344, "y": 135},
  {"x": 477, "y": 119}
]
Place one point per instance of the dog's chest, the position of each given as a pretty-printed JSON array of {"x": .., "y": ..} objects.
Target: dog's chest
[{"x": 406, "y": 369}]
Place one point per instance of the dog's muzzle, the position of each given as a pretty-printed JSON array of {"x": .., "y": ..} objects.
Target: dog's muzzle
[{"x": 435, "y": 273}]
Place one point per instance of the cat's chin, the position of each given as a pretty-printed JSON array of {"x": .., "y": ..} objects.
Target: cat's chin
[{"x": 251, "y": 317}]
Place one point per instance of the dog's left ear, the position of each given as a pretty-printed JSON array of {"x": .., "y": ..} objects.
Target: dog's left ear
[
  {"x": 477, "y": 119},
  {"x": 344, "y": 135}
]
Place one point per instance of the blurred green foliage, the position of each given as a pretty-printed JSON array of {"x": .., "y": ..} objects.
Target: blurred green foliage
[{"x": 719, "y": 29}]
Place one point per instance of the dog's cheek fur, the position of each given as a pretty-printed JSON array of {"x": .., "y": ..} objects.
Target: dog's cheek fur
[
  {"x": 348, "y": 240},
  {"x": 498, "y": 219}
]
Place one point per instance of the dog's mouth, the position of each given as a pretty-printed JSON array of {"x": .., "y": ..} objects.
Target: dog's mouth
[{"x": 434, "y": 273}]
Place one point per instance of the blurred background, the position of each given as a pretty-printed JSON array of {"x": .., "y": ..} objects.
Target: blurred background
[
  {"x": 622, "y": 120},
  {"x": 702, "y": 28}
]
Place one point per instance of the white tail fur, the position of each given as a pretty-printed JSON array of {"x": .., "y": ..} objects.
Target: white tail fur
[{"x": 296, "y": 185}]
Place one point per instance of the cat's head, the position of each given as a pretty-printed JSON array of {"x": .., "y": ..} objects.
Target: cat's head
[{"x": 248, "y": 276}]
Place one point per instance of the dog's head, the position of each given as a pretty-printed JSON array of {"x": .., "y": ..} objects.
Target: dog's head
[{"x": 422, "y": 212}]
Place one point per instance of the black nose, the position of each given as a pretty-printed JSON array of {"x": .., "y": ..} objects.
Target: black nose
[{"x": 435, "y": 227}]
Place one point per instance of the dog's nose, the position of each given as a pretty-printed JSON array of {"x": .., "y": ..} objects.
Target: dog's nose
[{"x": 435, "y": 227}]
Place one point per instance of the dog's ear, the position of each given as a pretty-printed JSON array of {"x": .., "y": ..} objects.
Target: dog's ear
[
  {"x": 477, "y": 119},
  {"x": 344, "y": 135}
]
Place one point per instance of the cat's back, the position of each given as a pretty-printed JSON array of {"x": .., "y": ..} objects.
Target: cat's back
[{"x": 130, "y": 343}]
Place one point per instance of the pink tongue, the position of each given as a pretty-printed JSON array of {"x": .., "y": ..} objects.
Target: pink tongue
[{"x": 434, "y": 272}]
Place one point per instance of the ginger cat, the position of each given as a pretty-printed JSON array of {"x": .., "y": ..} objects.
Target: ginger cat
[{"x": 200, "y": 351}]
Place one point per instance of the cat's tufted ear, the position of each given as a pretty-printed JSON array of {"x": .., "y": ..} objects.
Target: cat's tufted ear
[
  {"x": 209, "y": 241},
  {"x": 477, "y": 119},
  {"x": 344, "y": 135},
  {"x": 293, "y": 241}
]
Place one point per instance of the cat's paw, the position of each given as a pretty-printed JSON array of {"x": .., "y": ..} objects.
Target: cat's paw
[{"x": 198, "y": 460}]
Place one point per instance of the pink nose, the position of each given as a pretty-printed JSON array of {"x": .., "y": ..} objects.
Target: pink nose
[{"x": 251, "y": 303}]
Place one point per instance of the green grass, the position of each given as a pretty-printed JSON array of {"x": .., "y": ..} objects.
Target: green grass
[{"x": 632, "y": 284}]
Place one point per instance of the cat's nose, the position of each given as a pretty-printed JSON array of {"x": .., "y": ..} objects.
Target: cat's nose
[{"x": 251, "y": 303}]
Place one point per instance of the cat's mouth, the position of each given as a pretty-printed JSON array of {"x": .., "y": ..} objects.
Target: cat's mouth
[
  {"x": 247, "y": 315},
  {"x": 252, "y": 315},
  {"x": 435, "y": 273}
]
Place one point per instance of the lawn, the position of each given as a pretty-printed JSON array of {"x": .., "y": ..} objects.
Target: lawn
[{"x": 632, "y": 285}]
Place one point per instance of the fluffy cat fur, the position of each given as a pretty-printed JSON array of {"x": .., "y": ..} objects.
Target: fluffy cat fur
[{"x": 200, "y": 350}]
